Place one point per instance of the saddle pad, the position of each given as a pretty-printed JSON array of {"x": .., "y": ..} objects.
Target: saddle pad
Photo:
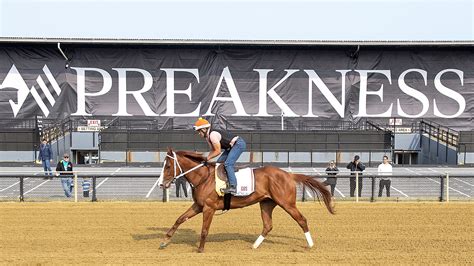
[{"x": 245, "y": 182}]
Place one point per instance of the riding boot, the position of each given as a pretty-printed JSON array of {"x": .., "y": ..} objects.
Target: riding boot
[{"x": 230, "y": 189}]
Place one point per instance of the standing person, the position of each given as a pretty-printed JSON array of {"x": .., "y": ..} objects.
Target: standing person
[
  {"x": 230, "y": 145},
  {"x": 181, "y": 182},
  {"x": 46, "y": 157},
  {"x": 354, "y": 166},
  {"x": 385, "y": 170},
  {"x": 86, "y": 185},
  {"x": 331, "y": 180},
  {"x": 64, "y": 169}
]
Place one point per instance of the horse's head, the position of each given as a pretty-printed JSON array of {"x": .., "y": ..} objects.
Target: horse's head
[
  {"x": 178, "y": 163},
  {"x": 171, "y": 169}
]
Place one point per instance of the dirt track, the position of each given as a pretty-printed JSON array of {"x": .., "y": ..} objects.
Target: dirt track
[{"x": 376, "y": 233}]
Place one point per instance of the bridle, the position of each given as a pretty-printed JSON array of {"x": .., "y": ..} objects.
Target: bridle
[{"x": 176, "y": 175}]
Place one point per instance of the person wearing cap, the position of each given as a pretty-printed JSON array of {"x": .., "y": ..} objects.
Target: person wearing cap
[
  {"x": 64, "y": 169},
  {"x": 220, "y": 141},
  {"x": 45, "y": 155},
  {"x": 356, "y": 166}
]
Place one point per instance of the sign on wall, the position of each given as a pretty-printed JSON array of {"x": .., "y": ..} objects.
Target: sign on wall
[{"x": 254, "y": 83}]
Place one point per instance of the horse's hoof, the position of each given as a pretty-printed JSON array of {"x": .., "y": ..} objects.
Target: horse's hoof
[
  {"x": 200, "y": 250},
  {"x": 163, "y": 245}
]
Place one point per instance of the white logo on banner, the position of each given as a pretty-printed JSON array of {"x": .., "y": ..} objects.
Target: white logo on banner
[{"x": 15, "y": 81}]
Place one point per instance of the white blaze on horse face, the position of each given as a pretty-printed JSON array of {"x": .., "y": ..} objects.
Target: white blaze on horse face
[{"x": 160, "y": 179}]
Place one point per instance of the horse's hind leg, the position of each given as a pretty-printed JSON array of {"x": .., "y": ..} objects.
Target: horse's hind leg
[
  {"x": 300, "y": 219},
  {"x": 266, "y": 207},
  {"x": 192, "y": 211}
]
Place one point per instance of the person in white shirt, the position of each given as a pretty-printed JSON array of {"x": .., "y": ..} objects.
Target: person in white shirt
[{"x": 384, "y": 171}]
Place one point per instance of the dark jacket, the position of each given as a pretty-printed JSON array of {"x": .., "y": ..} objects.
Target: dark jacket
[
  {"x": 45, "y": 152},
  {"x": 331, "y": 172},
  {"x": 352, "y": 166},
  {"x": 60, "y": 168}
]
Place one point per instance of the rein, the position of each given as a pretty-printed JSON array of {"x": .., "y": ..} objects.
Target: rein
[{"x": 176, "y": 163}]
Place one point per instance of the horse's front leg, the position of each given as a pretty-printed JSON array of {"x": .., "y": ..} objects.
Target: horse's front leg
[
  {"x": 208, "y": 214},
  {"x": 192, "y": 211}
]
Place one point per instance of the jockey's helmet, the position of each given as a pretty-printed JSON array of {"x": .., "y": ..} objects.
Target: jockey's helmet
[{"x": 201, "y": 123}]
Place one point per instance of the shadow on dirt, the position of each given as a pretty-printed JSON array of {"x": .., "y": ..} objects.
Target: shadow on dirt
[{"x": 191, "y": 237}]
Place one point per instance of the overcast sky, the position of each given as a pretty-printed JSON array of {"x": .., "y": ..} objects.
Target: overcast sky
[{"x": 240, "y": 19}]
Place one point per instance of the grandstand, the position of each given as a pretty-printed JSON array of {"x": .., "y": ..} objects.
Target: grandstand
[
  {"x": 416, "y": 111},
  {"x": 297, "y": 104}
]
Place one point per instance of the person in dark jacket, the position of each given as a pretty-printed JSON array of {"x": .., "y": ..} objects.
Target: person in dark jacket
[
  {"x": 356, "y": 166},
  {"x": 181, "y": 182},
  {"x": 46, "y": 156},
  {"x": 64, "y": 169},
  {"x": 331, "y": 180}
]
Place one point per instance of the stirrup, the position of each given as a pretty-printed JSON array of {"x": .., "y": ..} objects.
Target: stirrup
[{"x": 231, "y": 190}]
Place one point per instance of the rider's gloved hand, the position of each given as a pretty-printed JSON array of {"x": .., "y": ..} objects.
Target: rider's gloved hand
[{"x": 204, "y": 162}]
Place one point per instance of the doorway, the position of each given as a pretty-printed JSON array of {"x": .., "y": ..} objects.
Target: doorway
[
  {"x": 406, "y": 157},
  {"x": 86, "y": 156}
]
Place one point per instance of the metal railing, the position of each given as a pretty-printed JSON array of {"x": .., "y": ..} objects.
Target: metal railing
[
  {"x": 408, "y": 187},
  {"x": 440, "y": 133},
  {"x": 168, "y": 123},
  {"x": 143, "y": 186}
]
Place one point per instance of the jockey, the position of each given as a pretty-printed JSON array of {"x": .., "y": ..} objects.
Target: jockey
[{"x": 219, "y": 141}]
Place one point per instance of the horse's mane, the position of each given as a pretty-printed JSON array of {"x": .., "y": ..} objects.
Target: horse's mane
[{"x": 194, "y": 156}]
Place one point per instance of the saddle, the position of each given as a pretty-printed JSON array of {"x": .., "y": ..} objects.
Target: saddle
[
  {"x": 222, "y": 173},
  {"x": 245, "y": 180}
]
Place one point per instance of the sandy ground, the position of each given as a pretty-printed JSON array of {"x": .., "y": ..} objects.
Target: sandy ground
[{"x": 130, "y": 233}]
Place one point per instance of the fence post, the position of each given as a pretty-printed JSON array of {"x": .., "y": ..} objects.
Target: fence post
[
  {"x": 94, "y": 196},
  {"x": 303, "y": 198},
  {"x": 21, "y": 190},
  {"x": 441, "y": 196},
  {"x": 447, "y": 186},
  {"x": 372, "y": 197},
  {"x": 75, "y": 187},
  {"x": 288, "y": 159},
  {"x": 357, "y": 187},
  {"x": 166, "y": 195}
]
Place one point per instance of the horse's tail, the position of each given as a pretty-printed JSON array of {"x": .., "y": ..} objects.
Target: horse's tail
[{"x": 318, "y": 188}]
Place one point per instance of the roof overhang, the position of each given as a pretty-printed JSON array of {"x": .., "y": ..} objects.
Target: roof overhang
[{"x": 18, "y": 40}]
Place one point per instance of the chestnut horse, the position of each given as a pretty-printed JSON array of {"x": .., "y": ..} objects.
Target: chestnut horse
[{"x": 273, "y": 187}]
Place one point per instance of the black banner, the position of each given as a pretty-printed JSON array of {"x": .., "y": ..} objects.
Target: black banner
[{"x": 255, "y": 83}]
